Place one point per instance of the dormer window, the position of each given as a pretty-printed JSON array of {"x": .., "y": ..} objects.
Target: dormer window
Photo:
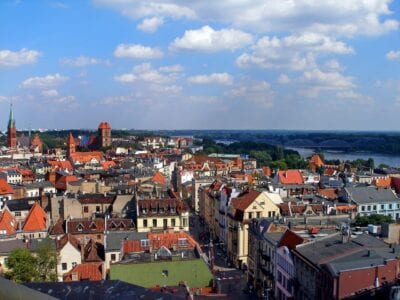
[
  {"x": 144, "y": 243},
  {"x": 93, "y": 226},
  {"x": 182, "y": 242},
  {"x": 173, "y": 210},
  {"x": 79, "y": 227}
]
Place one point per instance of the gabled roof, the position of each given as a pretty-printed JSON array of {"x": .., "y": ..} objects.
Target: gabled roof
[
  {"x": 108, "y": 164},
  {"x": 371, "y": 194},
  {"x": 60, "y": 164},
  {"x": 8, "y": 222},
  {"x": 5, "y": 188},
  {"x": 91, "y": 271},
  {"x": 245, "y": 200},
  {"x": 92, "y": 252},
  {"x": 58, "y": 228},
  {"x": 104, "y": 125},
  {"x": 290, "y": 177},
  {"x": 60, "y": 243},
  {"x": 36, "y": 219},
  {"x": 316, "y": 159},
  {"x": 61, "y": 183},
  {"x": 85, "y": 157}
]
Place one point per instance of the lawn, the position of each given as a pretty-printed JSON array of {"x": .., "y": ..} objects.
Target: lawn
[{"x": 194, "y": 272}]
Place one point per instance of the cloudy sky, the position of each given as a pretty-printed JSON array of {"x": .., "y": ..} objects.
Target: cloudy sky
[{"x": 232, "y": 64}]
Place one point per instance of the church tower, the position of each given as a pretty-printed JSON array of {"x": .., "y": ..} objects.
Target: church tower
[
  {"x": 104, "y": 133},
  {"x": 71, "y": 146},
  {"x": 11, "y": 131}
]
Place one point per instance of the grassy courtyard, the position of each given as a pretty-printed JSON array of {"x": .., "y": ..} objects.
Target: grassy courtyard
[{"x": 194, "y": 272}]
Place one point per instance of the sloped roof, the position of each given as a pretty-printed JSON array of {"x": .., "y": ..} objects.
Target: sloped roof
[
  {"x": 104, "y": 125},
  {"x": 108, "y": 164},
  {"x": 58, "y": 228},
  {"x": 85, "y": 157},
  {"x": 245, "y": 200},
  {"x": 290, "y": 239},
  {"x": 60, "y": 243},
  {"x": 382, "y": 182},
  {"x": 316, "y": 159},
  {"x": 8, "y": 222},
  {"x": 371, "y": 194},
  {"x": 91, "y": 271},
  {"x": 159, "y": 178},
  {"x": 61, "y": 183},
  {"x": 5, "y": 188},
  {"x": 60, "y": 164},
  {"x": 92, "y": 252},
  {"x": 36, "y": 219},
  {"x": 290, "y": 177}
]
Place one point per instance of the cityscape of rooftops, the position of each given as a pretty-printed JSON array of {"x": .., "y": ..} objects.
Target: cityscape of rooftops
[{"x": 165, "y": 149}]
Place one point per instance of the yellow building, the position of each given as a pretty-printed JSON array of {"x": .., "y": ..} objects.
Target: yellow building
[
  {"x": 249, "y": 205},
  {"x": 162, "y": 214}
]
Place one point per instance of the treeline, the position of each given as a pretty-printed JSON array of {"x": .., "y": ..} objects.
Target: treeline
[{"x": 266, "y": 155}]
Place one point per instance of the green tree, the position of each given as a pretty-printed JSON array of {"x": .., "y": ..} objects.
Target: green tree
[
  {"x": 22, "y": 265},
  {"x": 46, "y": 261},
  {"x": 374, "y": 219},
  {"x": 262, "y": 157}
]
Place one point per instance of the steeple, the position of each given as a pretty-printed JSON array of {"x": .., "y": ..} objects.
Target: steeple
[{"x": 11, "y": 121}]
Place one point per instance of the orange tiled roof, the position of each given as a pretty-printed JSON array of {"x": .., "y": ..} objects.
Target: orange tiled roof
[
  {"x": 104, "y": 125},
  {"x": 159, "y": 178},
  {"x": 316, "y": 159},
  {"x": 60, "y": 164},
  {"x": 8, "y": 222},
  {"x": 36, "y": 219},
  {"x": 5, "y": 188},
  {"x": 245, "y": 200},
  {"x": 85, "y": 157},
  {"x": 290, "y": 177},
  {"x": 328, "y": 193},
  {"x": 91, "y": 271},
  {"x": 383, "y": 182},
  {"x": 108, "y": 164}
]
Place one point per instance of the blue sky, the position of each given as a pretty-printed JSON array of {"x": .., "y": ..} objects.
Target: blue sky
[{"x": 248, "y": 64}]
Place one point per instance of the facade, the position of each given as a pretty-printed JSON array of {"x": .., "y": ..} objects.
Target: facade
[
  {"x": 69, "y": 253},
  {"x": 104, "y": 134}
]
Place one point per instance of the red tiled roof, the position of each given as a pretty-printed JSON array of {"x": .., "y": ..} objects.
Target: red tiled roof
[
  {"x": 61, "y": 183},
  {"x": 91, "y": 271},
  {"x": 290, "y": 177},
  {"x": 166, "y": 204},
  {"x": 85, "y": 157},
  {"x": 60, "y": 243},
  {"x": 328, "y": 193},
  {"x": 159, "y": 178},
  {"x": 8, "y": 222},
  {"x": 104, "y": 125},
  {"x": 316, "y": 159},
  {"x": 60, "y": 164},
  {"x": 108, "y": 164},
  {"x": 5, "y": 188},
  {"x": 58, "y": 228},
  {"x": 245, "y": 200},
  {"x": 36, "y": 219},
  {"x": 92, "y": 252},
  {"x": 382, "y": 182},
  {"x": 290, "y": 239}
]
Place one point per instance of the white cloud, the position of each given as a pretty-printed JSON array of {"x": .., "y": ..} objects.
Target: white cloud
[
  {"x": 145, "y": 73},
  {"x": 50, "y": 80},
  {"x": 257, "y": 92},
  {"x": 392, "y": 55},
  {"x": 25, "y": 56},
  {"x": 82, "y": 61},
  {"x": 137, "y": 51},
  {"x": 49, "y": 93},
  {"x": 150, "y": 25},
  {"x": 283, "y": 79},
  {"x": 219, "y": 78},
  {"x": 210, "y": 40},
  {"x": 172, "y": 69},
  {"x": 291, "y": 51}
]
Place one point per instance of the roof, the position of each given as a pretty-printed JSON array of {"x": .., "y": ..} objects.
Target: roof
[
  {"x": 95, "y": 199},
  {"x": 6, "y": 246},
  {"x": 159, "y": 178},
  {"x": 8, "y": 222},
  {"x": 62, "y": 183},
  {"x": 36, "y": 219},
  {"x": 115, "y": 239},
  {"x": 382, "y": 182},
  {"x": 60, "y": 164},
  {"x": 104, "y": 289},
  {"x": 5, "y": 188},
  {"x": 96, "y": 226},
  {"x": 107, "y": 164},
  {"x": 290, "y": 177},
  {"x": 290, "y": 239},
  {"x": 60, "y": 243},
  {"x": 58, "y": 228},
  {"x": 85, "y": 157},
  {"x": 161, "y": 206},
  {"x": 91, "y": 271},
  {"x": 104, "y": 125},
  {"x": 316, "y": 159},
  {"x": 245, "y": 199},
  {"x": 93, "y": 252},
  {"x": 371, "y": 194},
  {"x": 70, "y": 139}
]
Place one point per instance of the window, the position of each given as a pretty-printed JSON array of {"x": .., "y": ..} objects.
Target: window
[
  {"x": 144, "y": 223},
  {"x": 73, "y": 264},
  {"x": 113, "y": 257},
  {"x": 85, "y": 209},
  {"x": 184, "y": 222},
  {"x": 369, "y": 207},
  {"x": 64, "y": 266},
  {"x": 374, "y": 207},
  {"x": 382, "y": 206},
  {"x": 182, "y": 242},
  {"x": 390, "y": 206},
  {"x": 269, "y": 214},
  {"x": 258, "y": 215},
  {"x": 154, "y": 222},
  {"x": 250, "y": 215},
  {"x": 97, "y": 208},
  {"x": 145, "y": 243},
  {"x": 362, "y": 208},
  {"x": 17, "y": 213},
  {"x": 173, "y": 222}
]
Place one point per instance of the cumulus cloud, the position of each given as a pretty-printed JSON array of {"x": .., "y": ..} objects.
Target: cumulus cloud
[
  {"x": 82, "y": 61},
  {"x": 145, "y": 73},
  {"x": 393, "y": 55},
  {"x": 150, "y": 25},
  {"x": 172, "y": 68},
  {"x": 210, "y": 40},
  {"x": 219, "y": 78},
  {"x": 137, "y": 51},
  {"x": 290, "y": 51},
  {"x": 283, "y": 79},
  {"x": 256, "y": 92},
  {"x": 49, "y": 93},
  {"x": 25, "y": 56},
  {"x": 47, "y": 81}
]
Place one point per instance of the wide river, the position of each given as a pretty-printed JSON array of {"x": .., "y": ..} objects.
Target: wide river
[{"x": 390, "y": 160}]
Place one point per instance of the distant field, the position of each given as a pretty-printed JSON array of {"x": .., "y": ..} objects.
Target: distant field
[{"x": 194, "y": 272}]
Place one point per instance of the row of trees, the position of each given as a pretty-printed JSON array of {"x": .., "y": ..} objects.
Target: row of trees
[{"x": 38, "y": 267}]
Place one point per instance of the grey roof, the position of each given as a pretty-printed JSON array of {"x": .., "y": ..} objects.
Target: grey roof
[
  {"x": 105, "y": 289},
  {"x": 40, "y": 184},
  {"x": 331, "y": 247},
  {"x": 6, "y": 246},
  {"x": 273, "y": 237},
  {"x": 370, "y": 194},
  {"x": 114, "y": 239}
]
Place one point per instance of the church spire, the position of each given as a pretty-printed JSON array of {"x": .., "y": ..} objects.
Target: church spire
[{"x": 11, "y": 121}]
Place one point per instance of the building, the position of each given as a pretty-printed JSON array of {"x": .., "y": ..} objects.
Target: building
[
  {"x": 104, "y": 134},
  {"x": 11, "y": 131}
]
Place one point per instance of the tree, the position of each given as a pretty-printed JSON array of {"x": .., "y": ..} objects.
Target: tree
[
  {"x": 374, "y": 219},
  {"x": 22, "y": 265},
  {"x": 46, "y": 261}
]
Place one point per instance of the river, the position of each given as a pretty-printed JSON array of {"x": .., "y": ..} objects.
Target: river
[{"x": 390, "y": 160}]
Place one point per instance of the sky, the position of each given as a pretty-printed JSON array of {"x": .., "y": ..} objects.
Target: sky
[{"x": 232, "y": 64}]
